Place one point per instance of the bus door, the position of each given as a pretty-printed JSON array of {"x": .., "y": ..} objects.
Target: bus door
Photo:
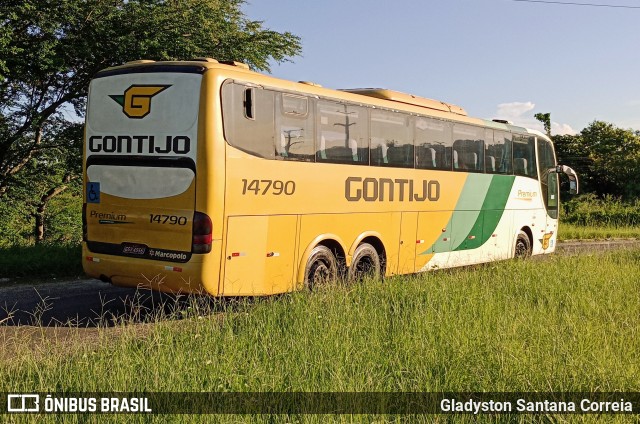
[{"x": 549, "y": 185}]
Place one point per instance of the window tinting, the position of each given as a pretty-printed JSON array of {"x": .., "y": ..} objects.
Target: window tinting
[
  {"x": 432, "y": 143},
  {"x": 253, "y": 134},
  {"x": 391, "y": 141},
  {"x": 273, "y": 124},
  {"x": 295, "y": 128},
  {"x": 546, "y": 156},
  {"x": 498, "y": 152},
  {"x": 141, "y": 182},
  {"x": 468, "y": 148},
  {"x": 342, "y": 133},
  {"x": 548, "y": 177},
  {"x": 524, "y": 155}
]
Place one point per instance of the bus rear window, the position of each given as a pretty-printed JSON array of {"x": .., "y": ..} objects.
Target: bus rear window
[{"x": 139, "y": 182}]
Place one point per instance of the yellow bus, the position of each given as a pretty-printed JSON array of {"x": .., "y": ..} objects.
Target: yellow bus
[{"x": 204, "y": 176}]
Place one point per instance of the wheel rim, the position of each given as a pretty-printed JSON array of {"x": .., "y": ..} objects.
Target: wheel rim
[
  {"x": 522, "y": 251},
  {"x": 364, "y": 268},
  {"x": 321, "y": 273},
  {"x": 366, "y": 265}
]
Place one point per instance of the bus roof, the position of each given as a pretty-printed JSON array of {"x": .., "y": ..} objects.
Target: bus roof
[
  {"x": 201, "y": 64},
  {"x": 396, "y": 96}
]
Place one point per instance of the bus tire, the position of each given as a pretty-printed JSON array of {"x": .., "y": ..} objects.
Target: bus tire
[
  {"x": 523, "y": 246},
  {"x": 365, "y": 263},
  {"x": 322, "y": 267}
]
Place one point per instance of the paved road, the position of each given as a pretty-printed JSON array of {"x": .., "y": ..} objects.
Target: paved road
[
  {"x": 88, "y": 303},
  {"x": 575, "y": 247},
  {"x": 82, "y": 303}
]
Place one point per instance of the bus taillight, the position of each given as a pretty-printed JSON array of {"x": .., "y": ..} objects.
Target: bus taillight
[{"x": 202, "y": 233}]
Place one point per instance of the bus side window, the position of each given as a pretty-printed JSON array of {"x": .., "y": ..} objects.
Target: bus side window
[
  {"x": 248, "y": 119},
  {"x": 524, "y": 155},
  {"x": 391, "y": 141},
  {"x": 497, "y": 152},
  {"x": 468, "y": 146},
  {"x": 342, "y": 133},
  {"x": 432, "y": 138},
  {"x": 249, "y": 106},
  {"x": 520, "y": 166},
  {"x": 295, "y": 127}
]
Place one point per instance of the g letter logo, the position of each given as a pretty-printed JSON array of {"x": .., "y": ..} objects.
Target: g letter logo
[{"x": 136, "y": 100}]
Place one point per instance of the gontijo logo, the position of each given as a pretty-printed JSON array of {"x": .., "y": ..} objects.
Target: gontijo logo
[{"x": 136, "y": 100}]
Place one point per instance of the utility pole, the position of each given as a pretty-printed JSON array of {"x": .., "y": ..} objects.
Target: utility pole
[
  {"x": 346, "y": 125},
  {"x": 289, "y": 137}
]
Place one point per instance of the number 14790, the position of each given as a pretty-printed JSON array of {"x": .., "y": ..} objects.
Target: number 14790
[{"x": 264, "y": 187}]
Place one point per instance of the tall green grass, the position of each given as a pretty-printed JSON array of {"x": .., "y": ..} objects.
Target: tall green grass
[
  {"x": 579, "y": 232},
  {"x": 591, "y": 211},
  {"x": 563, "y": 324},
  {"x": 44, "y": 260}
]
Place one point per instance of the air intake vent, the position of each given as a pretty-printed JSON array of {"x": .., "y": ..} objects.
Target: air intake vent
[
  {"x": 204, "y": 59},
  {"x": 137, "y": 62},
  {"x": 234, "y": 63},
  {"x": 313, "y": 84}
]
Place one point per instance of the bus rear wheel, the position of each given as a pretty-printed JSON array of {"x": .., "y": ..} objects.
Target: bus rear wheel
[
  {"x": 322, "y": 267},
  {"x": 523, "y": 246},
  {"x": 365, "y": 263}
]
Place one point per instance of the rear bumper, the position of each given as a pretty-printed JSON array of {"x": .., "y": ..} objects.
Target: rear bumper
[{"x": 169, "y": 277}]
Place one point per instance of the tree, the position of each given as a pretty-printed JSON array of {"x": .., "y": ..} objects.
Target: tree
[
  {"x": 570, "y": 150},
  {"x": 614, "y": 155},
  {"x": 545, "y": 118},
  {"x": 606, "y": 158},
  {"x": 49, "y": 50}
]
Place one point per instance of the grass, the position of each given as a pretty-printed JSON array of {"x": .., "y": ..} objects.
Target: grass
[
  {"x": 604, "y": 232},
  {"x": 589, "y": 210},
  {"x": 562, "y": 324},
  {"x": 45, "y": 260}
]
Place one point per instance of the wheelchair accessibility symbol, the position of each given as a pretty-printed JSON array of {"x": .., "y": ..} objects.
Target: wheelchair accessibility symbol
[{"x": 93, "y": 192}]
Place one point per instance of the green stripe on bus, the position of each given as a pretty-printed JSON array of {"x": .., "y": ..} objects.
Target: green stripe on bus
[
  {"x": 492, "y": 208},
  {"x": 467, "y": 212}
]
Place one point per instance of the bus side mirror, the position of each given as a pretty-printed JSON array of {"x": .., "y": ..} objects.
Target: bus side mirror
[{"x": 571, "y": 174}]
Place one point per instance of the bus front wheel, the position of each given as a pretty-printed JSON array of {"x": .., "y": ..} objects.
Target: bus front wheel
[
  {"x": 365, "y": 263},
  {"x": 523, "y": 246},
  {"x": 322, "y": 267}
]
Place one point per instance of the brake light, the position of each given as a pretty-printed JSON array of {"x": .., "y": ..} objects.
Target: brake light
[{"x": 202, "y": 233}]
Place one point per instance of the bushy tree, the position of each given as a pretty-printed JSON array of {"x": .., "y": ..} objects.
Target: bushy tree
[
  {"x": 615, "y": 158},
  {"x": 50, "y": 49},
  {"x": 607, "y": 159}
]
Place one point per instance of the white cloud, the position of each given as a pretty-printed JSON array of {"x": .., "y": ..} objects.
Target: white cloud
[
  {"x": 514, "y": 111},
  {"x": 522, "y": 114},
  {"x": 562, "y": 129}
]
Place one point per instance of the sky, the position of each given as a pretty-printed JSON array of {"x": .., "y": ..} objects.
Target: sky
[{"x": 502, "y": 59}]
